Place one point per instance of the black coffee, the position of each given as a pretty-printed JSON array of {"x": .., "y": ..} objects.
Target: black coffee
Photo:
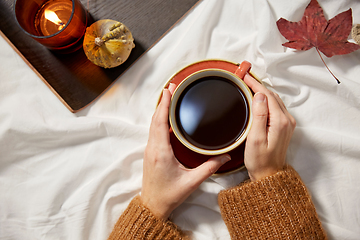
[{"x": 212, "y": 113}]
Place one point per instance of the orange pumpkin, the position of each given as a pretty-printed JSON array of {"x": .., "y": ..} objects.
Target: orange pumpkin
[{"x": 108, "y": 43}]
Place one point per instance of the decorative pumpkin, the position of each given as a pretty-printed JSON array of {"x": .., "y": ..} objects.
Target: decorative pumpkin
[
  {"x": 108, "y": 43},
  {"x": 355, "y": 33}
]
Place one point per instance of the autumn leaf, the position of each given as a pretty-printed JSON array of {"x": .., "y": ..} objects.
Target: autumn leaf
[{"x": 313, "y": 30}]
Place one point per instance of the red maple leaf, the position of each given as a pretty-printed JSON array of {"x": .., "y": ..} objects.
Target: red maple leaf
[{"x": 313, "y": 30}]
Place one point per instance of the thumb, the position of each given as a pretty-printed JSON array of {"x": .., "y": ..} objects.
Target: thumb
[
  {"x": 260, "y": 112},
  {"x": 208, "y": 168}
]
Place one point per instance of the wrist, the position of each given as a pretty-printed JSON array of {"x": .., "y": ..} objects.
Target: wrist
[
  {"x": 258, "y": 175},
  {"x": 156, "y": 209}
]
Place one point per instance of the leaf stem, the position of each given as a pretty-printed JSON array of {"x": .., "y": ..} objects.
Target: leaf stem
[{"x": 327, "y": 66}]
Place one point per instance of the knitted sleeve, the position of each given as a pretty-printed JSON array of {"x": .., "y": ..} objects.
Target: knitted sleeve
[
  {"x": 276, "y": 207},
  {"x": 137, "y": 222}
]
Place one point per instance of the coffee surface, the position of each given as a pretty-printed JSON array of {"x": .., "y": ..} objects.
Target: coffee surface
[{"x": 212, "y": 113}]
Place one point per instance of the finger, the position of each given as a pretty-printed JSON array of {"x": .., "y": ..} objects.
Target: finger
[
  {"x": 254, "y": 84},
  {"x": 258, "y": 131},
  {"x": 283, "y": 107},
  {"x": 258, "y": 87},
  {"x": 159, "y": 128},
  {"x": 280, "y": 102},
  {"x": 276, "y": 107},
  {"x": 208, "y": 168},
  {"x": 162, "y": 112},
  {"x": 172, "y": 87},
  {"x": 275, "y": 104}
]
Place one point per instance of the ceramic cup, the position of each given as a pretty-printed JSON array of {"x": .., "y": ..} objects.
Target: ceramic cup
[{"x": 210, "y": 110}]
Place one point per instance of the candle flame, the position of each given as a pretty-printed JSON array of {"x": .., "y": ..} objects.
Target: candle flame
[{"x": 52, "y": 17}]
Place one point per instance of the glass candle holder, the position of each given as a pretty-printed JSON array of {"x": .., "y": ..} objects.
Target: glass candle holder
[{"x": 57, "y": 24}]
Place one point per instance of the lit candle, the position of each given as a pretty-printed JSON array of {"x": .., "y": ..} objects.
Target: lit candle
[
  {"x": 53, "y": 16},
  {"x": 57, "y": 24}
]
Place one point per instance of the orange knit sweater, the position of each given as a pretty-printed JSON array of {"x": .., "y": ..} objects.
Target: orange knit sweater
[{"x": 276, "y": 207}]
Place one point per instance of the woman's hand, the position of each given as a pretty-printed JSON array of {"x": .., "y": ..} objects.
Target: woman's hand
[
  {"x": 166, "y": 183},
  {"x": 270, "y": 134}
]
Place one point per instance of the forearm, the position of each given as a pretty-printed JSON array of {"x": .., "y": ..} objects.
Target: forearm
[
  {"x": 276, "y": 207},
  {"x": 137, "y": 222}
]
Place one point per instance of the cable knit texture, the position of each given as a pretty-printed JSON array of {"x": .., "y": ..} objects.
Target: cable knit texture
[
  {"x": 276, "y": 207},
  {"x": 137, "y": 222}
]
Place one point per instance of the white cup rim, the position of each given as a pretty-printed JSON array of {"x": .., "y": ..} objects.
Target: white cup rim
[{"x": 195, "y": 77}]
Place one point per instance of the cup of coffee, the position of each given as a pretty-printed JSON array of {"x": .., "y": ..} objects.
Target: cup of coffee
[{"x": 210, "y": 110}]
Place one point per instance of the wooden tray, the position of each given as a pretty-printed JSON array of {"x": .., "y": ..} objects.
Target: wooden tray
[{"x": 75, "y": 80}]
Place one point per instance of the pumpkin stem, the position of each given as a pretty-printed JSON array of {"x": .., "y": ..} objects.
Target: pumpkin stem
[
  {"x": 99, "y": 42},
  {"x": 115, "y": 30}
]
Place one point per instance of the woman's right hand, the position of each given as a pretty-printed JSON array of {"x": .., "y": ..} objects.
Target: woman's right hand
[
  {"x": 166, "y": 182},
  {"x": 270, "y": 133}
]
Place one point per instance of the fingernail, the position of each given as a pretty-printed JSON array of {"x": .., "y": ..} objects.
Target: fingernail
[
  {"x": 163, "y": 92},
  {"x": 225, "y": 159},
  {"x": 259, "y": 97},
  {"x": 172, "y": 87}
]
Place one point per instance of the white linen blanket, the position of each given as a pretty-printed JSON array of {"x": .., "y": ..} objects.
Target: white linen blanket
[{"x": 70, "y": 176}]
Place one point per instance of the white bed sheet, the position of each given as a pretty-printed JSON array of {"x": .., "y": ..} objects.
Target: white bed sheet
[{"x": 70, "y": 176}]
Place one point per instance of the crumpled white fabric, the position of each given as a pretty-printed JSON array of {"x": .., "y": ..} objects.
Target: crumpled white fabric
[{"x": 70, "y": 176}]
